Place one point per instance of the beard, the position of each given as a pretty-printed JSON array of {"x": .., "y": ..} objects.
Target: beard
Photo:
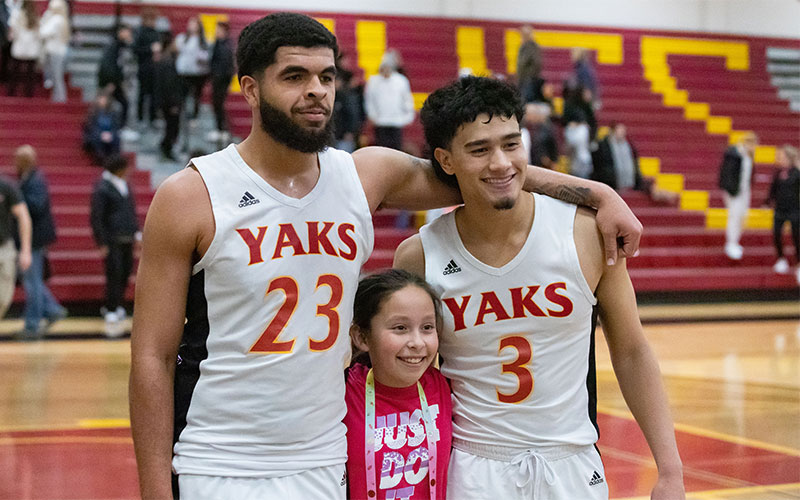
[
  {"x": 280, "y": 127},
  {"x": 504, "y": 204}
]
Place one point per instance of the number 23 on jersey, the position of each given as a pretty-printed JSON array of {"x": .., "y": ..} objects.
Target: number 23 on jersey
[{"x": 269, "y": 342}]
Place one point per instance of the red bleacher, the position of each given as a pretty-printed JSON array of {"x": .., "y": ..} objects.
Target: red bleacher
[{"x": 678, "y": 252}]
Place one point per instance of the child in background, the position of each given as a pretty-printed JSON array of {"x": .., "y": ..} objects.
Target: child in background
[
  {"x": 784, "y": 196},
  {"x": 399, "y": 410}
]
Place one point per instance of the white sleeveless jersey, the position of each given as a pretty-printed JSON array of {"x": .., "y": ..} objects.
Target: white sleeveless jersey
[
  {"x": 259, "y": 385},
  {"x": 518, "y": 341}
]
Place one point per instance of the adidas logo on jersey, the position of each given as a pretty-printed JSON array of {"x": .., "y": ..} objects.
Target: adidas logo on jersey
[
  {"x": 596, "y": 479},
  {"x": 248, "y": 199},
  {"x": 451, "y": 268}
]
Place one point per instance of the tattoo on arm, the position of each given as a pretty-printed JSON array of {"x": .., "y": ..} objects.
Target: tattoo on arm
[{"x": 570, "y": 194}]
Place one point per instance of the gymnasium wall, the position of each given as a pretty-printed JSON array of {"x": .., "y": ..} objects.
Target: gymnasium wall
[{"x": 772, "y": 18}]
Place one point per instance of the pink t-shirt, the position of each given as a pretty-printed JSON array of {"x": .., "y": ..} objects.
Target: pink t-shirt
[{"x": 400, "y": 437}]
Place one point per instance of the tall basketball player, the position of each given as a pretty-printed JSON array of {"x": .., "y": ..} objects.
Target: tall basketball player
[
  {"x": 521, "y": 275},
  {"x": 249, "y": 266}
]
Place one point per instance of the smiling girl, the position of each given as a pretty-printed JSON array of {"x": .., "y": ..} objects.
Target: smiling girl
[{"x": 399, "y": 410}]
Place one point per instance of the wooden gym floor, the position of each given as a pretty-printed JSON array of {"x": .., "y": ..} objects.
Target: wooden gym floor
[{"x": 734, "y": 388}]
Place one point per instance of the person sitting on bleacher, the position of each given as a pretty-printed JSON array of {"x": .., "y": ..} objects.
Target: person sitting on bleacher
[
  {"x": 101, "y": 132},
  {"x": 616, "y": 163}
]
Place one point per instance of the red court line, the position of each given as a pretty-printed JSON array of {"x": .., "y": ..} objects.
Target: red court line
[{"x": 709, "y": 463}]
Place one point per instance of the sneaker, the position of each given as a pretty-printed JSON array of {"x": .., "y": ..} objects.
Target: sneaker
[
  {"x": 128, "y": 134},
  {"x": 734, "y": 251},
  {"x": 58, "y": 316},
  {"x": 798, "y": 275},
  {"x": 121, "y": 313},
  {"x": 113, "y": 328},
  {"x": 27, "y": 335},
  {"x": 781, "y": 266}
]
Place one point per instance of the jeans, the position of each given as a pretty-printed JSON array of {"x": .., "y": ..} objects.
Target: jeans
[
  {"x": 55, "y": 65},
  {"x": 39, "y": 302}
]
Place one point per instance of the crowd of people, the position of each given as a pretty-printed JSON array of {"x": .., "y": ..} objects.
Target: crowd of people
[{"x": 28, "y": 40}]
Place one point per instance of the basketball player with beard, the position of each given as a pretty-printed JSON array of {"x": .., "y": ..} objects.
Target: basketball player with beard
[{"x": 250, "y": 263}]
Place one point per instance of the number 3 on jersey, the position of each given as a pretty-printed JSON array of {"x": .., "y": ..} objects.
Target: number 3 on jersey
[
  {"x": 518, "y": 368},
  {"x": 268, "y": 343}
]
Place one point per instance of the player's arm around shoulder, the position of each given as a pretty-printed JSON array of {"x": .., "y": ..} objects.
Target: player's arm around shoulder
[
  {"x": 393, "y": 179},
  {"x": 177, "y": 225},
  {"x": 634, "y": 362},
  {"x": 410, "y": 256}
]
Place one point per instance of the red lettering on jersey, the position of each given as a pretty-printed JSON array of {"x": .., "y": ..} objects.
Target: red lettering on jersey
[
  {"x": 348, "y": 241},
  {"x": 253, "y": 243},
  {"x": 521, "y": 303},
  {"x": 457, "y": 310},
  {"x": 317, "y": 238},
  {"x": 560, "y": 300},
  {"x": 490, "y": 304},
  {"x": 288, "y": 238}
]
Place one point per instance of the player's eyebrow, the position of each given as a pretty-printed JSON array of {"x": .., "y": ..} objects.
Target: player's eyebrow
[{"x": 483, "y": 142}]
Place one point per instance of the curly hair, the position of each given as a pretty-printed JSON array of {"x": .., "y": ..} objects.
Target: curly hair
[
  {"x": 460, "y": 102},
  {"x": 260, "y": 39}
]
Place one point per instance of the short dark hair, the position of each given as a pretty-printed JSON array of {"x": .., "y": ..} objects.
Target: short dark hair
[
  {"x": 375, "y": 289},
  {"x": 260, "y": 39},
  {"x": 460, "y": 102},
  {"x": 115, "y": 163}
]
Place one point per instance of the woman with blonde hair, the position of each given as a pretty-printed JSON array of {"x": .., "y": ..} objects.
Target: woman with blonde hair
[
  {"x": 25, "y": 46},
  {"x": 784, "y": 197},
  {"x": 55, "y": 33}
]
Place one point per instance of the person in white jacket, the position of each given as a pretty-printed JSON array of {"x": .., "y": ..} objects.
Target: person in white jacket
[
  {"x": 55, "y": 33},
  {"x": 25, "y": 46},
  {"x": 389, "y": 103}
]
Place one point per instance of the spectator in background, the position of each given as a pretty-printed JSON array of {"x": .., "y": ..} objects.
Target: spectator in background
[
  {"x": 12, "y": 206},
  {"x": 192, "y": 61},
  {"x": 543, "y": 145},
  {"x": 168, "y": 93},
  {"x": 529, "y": 66},
  {"x": 784, "y": 197},
  {"x": 346, "y": 112},
  {"x": 222, "y": 70},
  {"x": 735, "y": 179},
  {"x": 389, "y": 103},
  {"x": 101, "y": 132},
  {"x": 116, "y": 230},
  {"x": 55, "y": 32},
  {"x": 579, "y": 122},
  {"x": 146, "y": 42},
  {"x": 5, "y": 41},
  {"x": 39, "y": 302},
  {"x": 110, "y": 76},
  {"x": 26, "y": 46},
  {"x": 616, "y": 163},
  {"x": 585, "y": 76}
]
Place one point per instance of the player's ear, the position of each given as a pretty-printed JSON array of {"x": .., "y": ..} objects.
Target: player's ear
[
  {"x": 250, "y": 90},
  {"x": 359, "y": 338},
  {"x": 444, "y": 158}
]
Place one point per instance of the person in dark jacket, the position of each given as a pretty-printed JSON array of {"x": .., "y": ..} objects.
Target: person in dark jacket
[
  {"x": 347, "y": 120},
  {"x": 5, "y": 41},
  {"x": 168, "y": 92},
  {"x": 222, "y": 69},
  {"x": 101, "y": 131},
  {"x": 146, "y": 41},
  {"x": 39, "y": 301},
  {"x": 784, "y": 197},
  {"x": 110, "y": 76},
  {"x": 115, "y": 229},
  {"x": 735, "y": 179}
]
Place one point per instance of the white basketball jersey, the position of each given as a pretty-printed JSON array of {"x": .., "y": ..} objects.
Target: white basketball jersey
[
  {"x": 518, "y": 341},
  {"x": 259, "y": 386}
]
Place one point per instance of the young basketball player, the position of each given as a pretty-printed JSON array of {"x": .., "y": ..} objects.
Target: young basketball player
[
  {"x": 399, "y": 409},
  {"x": 249, "y": 264},
  {"x": 521, "y": 276}
]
